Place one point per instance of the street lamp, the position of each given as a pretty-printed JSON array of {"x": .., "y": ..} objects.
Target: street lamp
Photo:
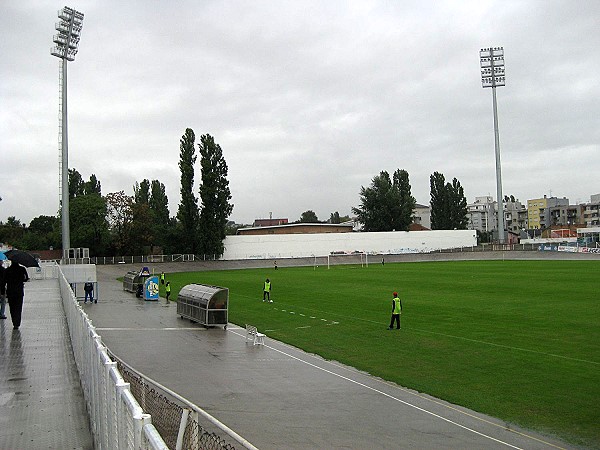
[
  {"x": 67, "y": 40},
  {"x": 492, "y": 75}
]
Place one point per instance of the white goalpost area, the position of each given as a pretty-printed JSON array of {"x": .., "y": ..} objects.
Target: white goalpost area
[{"x": 356, "y": 258}]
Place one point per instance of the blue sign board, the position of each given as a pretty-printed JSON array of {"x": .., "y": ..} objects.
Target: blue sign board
[{"x": 151, "y": 288}]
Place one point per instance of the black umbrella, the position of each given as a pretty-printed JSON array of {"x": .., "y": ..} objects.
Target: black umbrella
[{"x": 21, "y": 257}]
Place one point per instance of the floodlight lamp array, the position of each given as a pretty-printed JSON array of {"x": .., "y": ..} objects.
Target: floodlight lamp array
[
  {"x": 69, "y": 31},
  {"x": 492, "y": 66}
]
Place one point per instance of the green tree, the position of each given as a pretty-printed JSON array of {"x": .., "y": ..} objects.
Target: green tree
[
  {"x": 162, "y": 228},
  {"x": 92, "y": 186},
  {"x": 386, "y": 205},
  {"x": 405, "y": 201},
  {"x": 458, "y": 206},
  {"x": 79, "y": 187},
  {"x": 187, "y": 214},
  {"x": 75, "y": 184},
  {"x": 12, "y": 232},
  {"x": 214, "y": 196},
  {"x": 150, "y": 216},
  {"x": 88, "y": 223},
  {"x": 43, "y": 232},
  {"x": 12, "y": 221},
  {"x": 141, "y": 229},
  {"x": 439, "y": 202},
  {"x": 448, "y": 204},
  {"x": 141, "y": 191},
  {"x": 336, "y": 218},
  {"x": 119, "y": 213},
  {"x": 374, "y": 210},
  {"x": 87, "y": 214},
  {"x": 308, "y": 217},
  {"x": 159, "y": 203},
  {"x": 43, "y": 224}
]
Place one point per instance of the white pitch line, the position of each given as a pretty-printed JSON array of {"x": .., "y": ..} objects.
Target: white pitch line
[
  {"x": 431, "y": 413},
  {"x": 331, "y": 322},
  {"x": 521, "y": 349},
  {"x": 149, "y": 329}
]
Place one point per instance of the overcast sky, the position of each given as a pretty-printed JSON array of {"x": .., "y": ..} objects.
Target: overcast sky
[{"x": 309, "y": 100}]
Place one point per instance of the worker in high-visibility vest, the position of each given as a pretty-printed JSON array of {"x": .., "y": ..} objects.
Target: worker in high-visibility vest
[
  {"x": 168, "y": 290},
  {"x": 162, "y": 278},
  {"x": 267, "y": 291},
  {"x": 396, "y": 312}
]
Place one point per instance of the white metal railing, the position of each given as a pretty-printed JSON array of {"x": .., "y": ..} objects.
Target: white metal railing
[{"x": 117, "y": 420}]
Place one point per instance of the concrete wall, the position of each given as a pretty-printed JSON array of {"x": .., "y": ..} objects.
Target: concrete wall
[{"x": 304, "y": 245}]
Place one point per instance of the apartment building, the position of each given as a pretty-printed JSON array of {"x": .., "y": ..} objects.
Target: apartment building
[
  {"x": 538, "y": 213},
  {"x": 591, "y": 211},
  {"x": 481, "y": 214},
  {"x": 566, "y": 215},
  {"x": 515, "y": 216}
]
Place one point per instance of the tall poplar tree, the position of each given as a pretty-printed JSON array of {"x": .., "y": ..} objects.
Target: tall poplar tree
[
  {"x": 214, "y": 197},
  {"x": 405, "y": 201},
  {"x": 187, "y": 214},
  {"x": 159, "y": 203},
  {"x": 448, "y": 204},
  {"x": 141, "y": 191},
  {"x": 458, "y": 206},
  {"x": 439, "y": 202}
]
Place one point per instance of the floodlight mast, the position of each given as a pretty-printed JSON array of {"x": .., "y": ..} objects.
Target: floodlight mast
[
  {"x": 492, "y": 75},
  {"x": 69, "y": 29}
]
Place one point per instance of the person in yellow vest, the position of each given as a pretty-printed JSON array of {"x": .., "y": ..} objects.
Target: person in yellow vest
[
  {"x": 168, "y": 290},
  {"x": 396, "y": 312},
  {"x": 267, "y": 291},
  {"x": 162, "y": 278}
]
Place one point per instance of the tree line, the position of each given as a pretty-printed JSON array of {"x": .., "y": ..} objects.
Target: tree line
[
  {"x": 120, "y": 224},
  {"x": 388, "y": 205}
]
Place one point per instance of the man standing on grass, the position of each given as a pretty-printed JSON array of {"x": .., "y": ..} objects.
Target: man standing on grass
[
  {"x": 267, "y": 291},
  {"x": 396, "y": 312}
]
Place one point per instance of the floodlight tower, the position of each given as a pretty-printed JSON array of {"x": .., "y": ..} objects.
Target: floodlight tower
[
  {"x": 492, "y": 75},
  {"x": 69, "y": 28}
]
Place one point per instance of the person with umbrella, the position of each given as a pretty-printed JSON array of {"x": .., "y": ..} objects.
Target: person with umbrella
[
  {"x": 14, "y": 278},
  {"x": 20, "y": 257},
  {"x": 2, "y": 289}
]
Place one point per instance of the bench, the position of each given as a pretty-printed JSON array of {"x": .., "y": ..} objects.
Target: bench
[{"x": 252, "y": 333}]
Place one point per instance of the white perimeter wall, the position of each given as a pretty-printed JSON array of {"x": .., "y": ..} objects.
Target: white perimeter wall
[{"x": 303, "y": 245}]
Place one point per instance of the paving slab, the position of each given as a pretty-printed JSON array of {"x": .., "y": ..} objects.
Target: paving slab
[{"x": 41, "y": 399}]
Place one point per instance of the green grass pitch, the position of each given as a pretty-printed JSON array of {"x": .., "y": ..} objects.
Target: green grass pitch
[{"x": 518, "y": 340}]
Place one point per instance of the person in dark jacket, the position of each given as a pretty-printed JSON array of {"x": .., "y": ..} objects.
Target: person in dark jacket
[
  {"x": 15, "y": 277},
  {"x": 2, "y": 292},
  {"x": 88, "y": 288}
]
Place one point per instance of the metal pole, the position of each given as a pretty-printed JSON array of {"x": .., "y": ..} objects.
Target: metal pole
[
  {"x": 501, "y": 234},
  {"x": 66, "y": 234},
  {"x": 492, "y": 75}
]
